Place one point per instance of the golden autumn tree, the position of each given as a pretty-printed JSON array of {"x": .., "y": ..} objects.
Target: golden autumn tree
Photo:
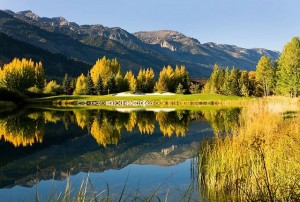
[
  {"x": 105, "y": 68},
  {"x": 81, "y": 87},
  {"x": 165, "y": 81},
  {"x": 104, "y": 132},
  {"x": 131, "y": 80},
  {"x": 145, "y": 80},
  {"x": 21, "y": 75}
]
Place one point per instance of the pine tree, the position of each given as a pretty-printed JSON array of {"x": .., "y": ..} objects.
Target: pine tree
[
  {"x": 226, "y": 84},
  {"x": 99, "y": 87},
  {"x": 234, "y": 82},
  {"x": 121, "y": 83},
  {"x": 180, "y": 89},
  {"x": 67, "y": 85},
  {"x": 244, "y": 84},
  {"x": 90, "y": 84},
  {"x": 289, "y": 69},
  {"x": 111, "y": 86}
]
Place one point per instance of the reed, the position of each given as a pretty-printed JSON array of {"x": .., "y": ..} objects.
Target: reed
[{"x": 259, "y": 160}]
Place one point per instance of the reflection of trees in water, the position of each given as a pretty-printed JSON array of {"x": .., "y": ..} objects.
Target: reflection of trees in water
[
  {"x": 146, "y": 122},
  {"x": 173, "y": 122},
  {"x": 22, "y": 130},
  {"x": 223, "y": 120},
  {"x": 106, "y": 126}
]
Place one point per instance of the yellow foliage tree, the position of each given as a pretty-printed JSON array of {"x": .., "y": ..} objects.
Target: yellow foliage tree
[
  {"x": 129, "y": 77},
  {"x": 105, "y": 68},
  {"x": 145, "y": 80},
  {"x": 81, "y": 86},
  {"x": 22, "y": 74}
]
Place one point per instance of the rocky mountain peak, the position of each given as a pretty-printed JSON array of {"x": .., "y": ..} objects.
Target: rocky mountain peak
[{"x": 29, "y": 14}]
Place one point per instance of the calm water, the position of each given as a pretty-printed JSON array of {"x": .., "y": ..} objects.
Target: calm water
[{"x": 141, "y": 150}]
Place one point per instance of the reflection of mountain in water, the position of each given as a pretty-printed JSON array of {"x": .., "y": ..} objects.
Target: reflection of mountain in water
[{"x": 67, "y": 148}]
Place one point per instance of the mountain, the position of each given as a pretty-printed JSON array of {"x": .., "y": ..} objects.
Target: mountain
[
  {"x": 177, "y": 45},
  {"x": 55, "y": 65},
  {"x": 142, "y": 49}
]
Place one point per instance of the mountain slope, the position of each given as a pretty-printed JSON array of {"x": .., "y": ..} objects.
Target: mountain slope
[
  {"x": 188, "y": 49},
  {"x": 88, "y": 48},
  {"x": 55, "y": 65},
  {"x": 142, "y": 49}
]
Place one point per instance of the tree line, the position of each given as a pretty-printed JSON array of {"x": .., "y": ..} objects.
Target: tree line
[
  {"x": 281, "y": 77},
  {"x": 105, "y": 77}
]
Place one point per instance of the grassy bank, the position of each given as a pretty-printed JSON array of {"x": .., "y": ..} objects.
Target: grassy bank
[
  {"x": 165, "y": 100},
  {"x": 260, "y": 159}
]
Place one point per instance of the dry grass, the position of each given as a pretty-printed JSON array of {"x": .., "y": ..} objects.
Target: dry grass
[{"x": 260, "y": 160}]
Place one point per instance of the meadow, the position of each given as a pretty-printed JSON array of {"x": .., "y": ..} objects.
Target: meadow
[{"x": 259, "y": 160}]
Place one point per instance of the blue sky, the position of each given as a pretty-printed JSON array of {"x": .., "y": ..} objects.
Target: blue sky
[{"x": 245, "y": 23}]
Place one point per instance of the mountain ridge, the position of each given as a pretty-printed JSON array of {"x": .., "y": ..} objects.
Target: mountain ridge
[{"x": 147, "y": 48}]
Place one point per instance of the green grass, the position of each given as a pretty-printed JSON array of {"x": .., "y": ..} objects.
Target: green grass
[{"x": 176, "y": 99}]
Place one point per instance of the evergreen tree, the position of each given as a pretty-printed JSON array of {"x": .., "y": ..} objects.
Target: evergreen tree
[
  {"x": 181, "y": 75},
  {"x": 99, "y": 87},
  {"x": 265, "y": 74},
  {"x": 180, "y": 89},
  {"x": 244, "y": 84},
  {"x": 90, "y": 84},
  {"x": 111, "y": 86},
  {"x": 67, "y": 85},
  {"x": 121, "y": 83},
  {"x": 226, "y": 83},
  {"x": 289, "y": 69},
  {"x": 234, "y": 82}
]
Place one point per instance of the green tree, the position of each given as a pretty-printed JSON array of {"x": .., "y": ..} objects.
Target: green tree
[
  {"x": 90, "y": 84},
  {"x": 180, "y": 89},
  {"x": 265, "y": 75},
  {"x": 111, "y": 86},
  {"x": 244, "y": 84},
  {"x": 181, "y": 76},
  {"x": 226, "y": 83},
  {"x": 99, "y": 87},
  {"x": 289, "y": 69},
  {"x": 121, "y": 83},
  {"x": 67, "y": 85},
  {"x": 234, "y": 82}
]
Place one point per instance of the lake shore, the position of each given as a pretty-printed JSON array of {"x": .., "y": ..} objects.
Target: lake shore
[{"x": 145, "y": 100}]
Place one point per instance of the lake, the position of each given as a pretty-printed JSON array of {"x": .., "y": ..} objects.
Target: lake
[{"x": 117, "y": 153}]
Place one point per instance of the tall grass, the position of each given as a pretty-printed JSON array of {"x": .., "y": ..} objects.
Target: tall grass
[
  {"x": 259, "y": 160},
  {"x": 86, "y": 192}
]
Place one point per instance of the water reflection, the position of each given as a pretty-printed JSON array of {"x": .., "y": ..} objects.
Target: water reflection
[{"x": 40, "y": 144}]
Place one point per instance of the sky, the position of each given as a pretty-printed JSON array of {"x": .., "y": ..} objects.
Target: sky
[{"x": 246, "y": 23}]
